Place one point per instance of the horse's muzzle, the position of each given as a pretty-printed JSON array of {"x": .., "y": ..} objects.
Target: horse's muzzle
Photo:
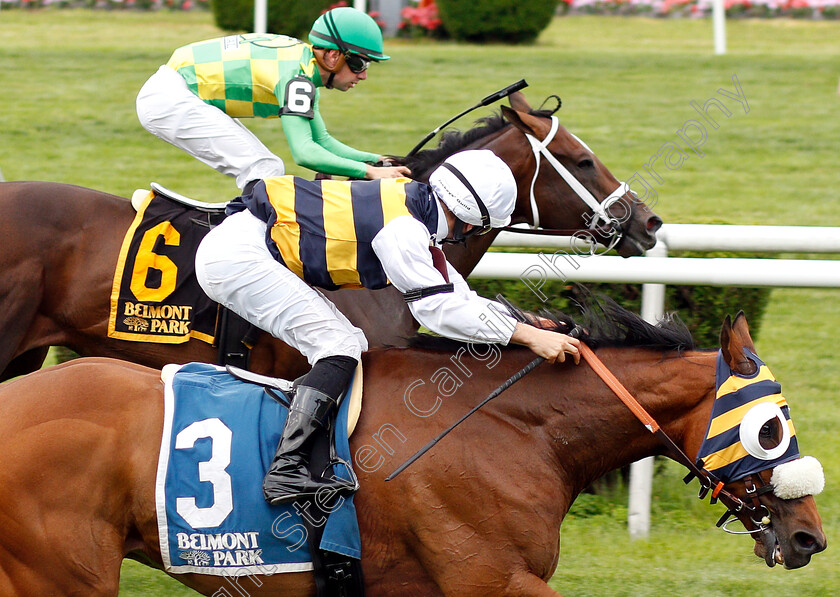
[
  {"x": 636, "y": 240},
  {"x": 792, "y": 552}
]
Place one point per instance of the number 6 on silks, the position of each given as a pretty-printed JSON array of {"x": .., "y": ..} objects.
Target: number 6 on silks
[{"x": 299, "y": 98}]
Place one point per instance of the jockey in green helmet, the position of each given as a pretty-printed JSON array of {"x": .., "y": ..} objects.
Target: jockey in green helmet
[{"x": 192, "y": 101}]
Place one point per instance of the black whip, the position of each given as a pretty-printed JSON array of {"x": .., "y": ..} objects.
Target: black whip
[
  {"x": 493, "y": 97},
  {"x": 509, "y": 382}
]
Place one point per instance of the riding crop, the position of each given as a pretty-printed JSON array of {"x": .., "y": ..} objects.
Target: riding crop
[
  {"x": 493, "y": 97},
  {"x": 508, "y": 382}
]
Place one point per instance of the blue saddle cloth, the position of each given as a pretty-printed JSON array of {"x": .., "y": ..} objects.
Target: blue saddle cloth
[{"x": 219, "y": 437}]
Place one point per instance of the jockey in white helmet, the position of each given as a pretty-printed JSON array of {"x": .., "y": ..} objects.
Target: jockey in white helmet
[{"x": 289, "y": 235}]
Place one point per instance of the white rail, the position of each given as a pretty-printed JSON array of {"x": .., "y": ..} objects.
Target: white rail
[
  {"x": 561, "y": 259},
  {"x": 660, "y": 269},
  {"x": 707, "y": 237}
]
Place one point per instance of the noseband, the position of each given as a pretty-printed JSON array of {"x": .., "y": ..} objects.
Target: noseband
[{"x": 603, "y": 223}]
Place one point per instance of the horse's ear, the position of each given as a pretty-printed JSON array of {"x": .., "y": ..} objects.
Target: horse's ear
[
  {"x": 518, "y": 102},
  {"x": 734, "y": 337},
  {"x": 725, "y": 331},
  {"x": 520, "y": 120},
  {"x": 742, "y": 328}
]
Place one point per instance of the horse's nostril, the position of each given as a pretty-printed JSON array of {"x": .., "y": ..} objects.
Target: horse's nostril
[
  {"x": 654, "y": 223},
  {"x": 806, "y": 542}
]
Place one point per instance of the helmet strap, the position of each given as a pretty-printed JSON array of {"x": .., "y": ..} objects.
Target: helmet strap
[
  {"x": 329, "y": 21},
  {"x": 459, "y": 237},
  {"x": 339, "y": 64},
  {"x": 485, "y": 215}
]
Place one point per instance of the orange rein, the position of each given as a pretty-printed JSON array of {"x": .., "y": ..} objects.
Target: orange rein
[
  {"x": 707, "y": 480},
  {"x": 616, "y": 386}
]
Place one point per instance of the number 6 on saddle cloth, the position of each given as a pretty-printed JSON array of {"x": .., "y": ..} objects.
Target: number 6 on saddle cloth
[{"x": 155, "y": 296}]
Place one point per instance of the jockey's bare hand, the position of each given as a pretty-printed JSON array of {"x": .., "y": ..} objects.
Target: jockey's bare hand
[
  {"x": 374, "y": 172},
  {"x": 552, "y": 346}
]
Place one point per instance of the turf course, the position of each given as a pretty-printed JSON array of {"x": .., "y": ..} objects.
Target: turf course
[{"x": 68, "y": 82}]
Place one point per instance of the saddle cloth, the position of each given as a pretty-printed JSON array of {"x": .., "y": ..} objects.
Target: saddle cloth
[
  {"x": 219, "y": 437},
  {"x": 155, "y": 296}
]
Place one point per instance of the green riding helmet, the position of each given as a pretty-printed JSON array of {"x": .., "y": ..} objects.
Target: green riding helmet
[{"x": 348, "y": 30}]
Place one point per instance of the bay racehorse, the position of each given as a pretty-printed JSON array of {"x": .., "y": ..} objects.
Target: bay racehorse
[
  {"x": 478, "y": 515},
  {"x": 61, "y": 244}
]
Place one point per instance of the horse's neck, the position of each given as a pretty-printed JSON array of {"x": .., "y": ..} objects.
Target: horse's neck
[
  {"x": 511, "y": 146},
  {"x": 590, "y": 431},
  {"x": 676, "y": 390},
  {"x": 559, "y": 428}
]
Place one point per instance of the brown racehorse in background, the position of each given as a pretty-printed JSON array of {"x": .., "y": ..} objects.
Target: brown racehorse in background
[
  {"x": 479, "y": 516},
  {"x": 61, "y": 244}
]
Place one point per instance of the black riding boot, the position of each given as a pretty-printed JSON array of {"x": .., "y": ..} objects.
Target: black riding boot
[{"x": 289, "y": 477}]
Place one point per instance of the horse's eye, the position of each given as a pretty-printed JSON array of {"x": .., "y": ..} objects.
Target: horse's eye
[
  {"x": 586, "y": 164},
  {"x": 770, "y": 434},
  {"x": 764, "y": 432}
]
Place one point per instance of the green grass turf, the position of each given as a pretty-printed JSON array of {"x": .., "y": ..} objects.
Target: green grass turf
[{"x": 69, "y": 79}]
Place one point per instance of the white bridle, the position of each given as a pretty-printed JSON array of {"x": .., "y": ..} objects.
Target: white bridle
[{"x": 600, "y": 210}]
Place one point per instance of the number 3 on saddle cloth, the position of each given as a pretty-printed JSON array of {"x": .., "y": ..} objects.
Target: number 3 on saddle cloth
[
  {"x": 219, "y": 437},
  {"x": 155, "y": 295}
]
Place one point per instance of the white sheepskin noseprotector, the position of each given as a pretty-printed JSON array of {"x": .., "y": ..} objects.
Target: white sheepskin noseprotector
[{"x": 798, "y": 478}]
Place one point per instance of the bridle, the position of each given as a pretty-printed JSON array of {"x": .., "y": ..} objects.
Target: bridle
[
  {"x": 603, "y": 224},
  {"x": 758, "y": 513}
]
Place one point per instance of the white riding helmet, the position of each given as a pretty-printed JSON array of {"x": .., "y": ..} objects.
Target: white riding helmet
[{"x": 477, "y": 187}]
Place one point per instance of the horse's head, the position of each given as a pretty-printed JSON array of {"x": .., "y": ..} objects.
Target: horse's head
[
  {"x": 563, "y": 185},
  {"x": 751, "y": 447}
]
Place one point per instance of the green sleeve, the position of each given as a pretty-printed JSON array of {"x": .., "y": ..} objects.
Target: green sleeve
[
  {"x": 330, "y": 143},
  {"x": 309, "y": 154}
]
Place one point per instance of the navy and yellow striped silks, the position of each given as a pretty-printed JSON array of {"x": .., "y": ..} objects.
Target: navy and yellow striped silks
[
  {"x": 722, "y": 451},
  {"x": 322, "y": 230}
]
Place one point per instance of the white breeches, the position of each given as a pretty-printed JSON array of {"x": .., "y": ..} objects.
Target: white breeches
[
  {"x": 169, "y": 110},
  {"x": 235, "y": 268}
]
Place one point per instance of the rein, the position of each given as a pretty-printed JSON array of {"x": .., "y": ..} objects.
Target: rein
[{"x": 759, "y": 514}]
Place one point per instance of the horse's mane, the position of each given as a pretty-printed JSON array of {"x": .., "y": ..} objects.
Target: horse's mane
[
  {"x": 451, "y": 141},
  {"x": 605, "y": 323}
]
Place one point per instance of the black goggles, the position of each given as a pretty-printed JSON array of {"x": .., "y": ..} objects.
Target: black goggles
[{"x": 356, "y": 62}]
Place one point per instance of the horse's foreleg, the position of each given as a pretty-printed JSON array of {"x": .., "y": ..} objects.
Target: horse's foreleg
[{"x": 20, "y": 297}]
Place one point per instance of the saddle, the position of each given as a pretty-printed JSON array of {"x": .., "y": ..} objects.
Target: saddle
[
  {"x": 287, "y": 387},
  {"x": 206, "y": 206}
]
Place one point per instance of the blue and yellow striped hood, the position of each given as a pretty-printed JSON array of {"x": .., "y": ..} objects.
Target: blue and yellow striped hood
[{"x": 742, "y": 405}]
